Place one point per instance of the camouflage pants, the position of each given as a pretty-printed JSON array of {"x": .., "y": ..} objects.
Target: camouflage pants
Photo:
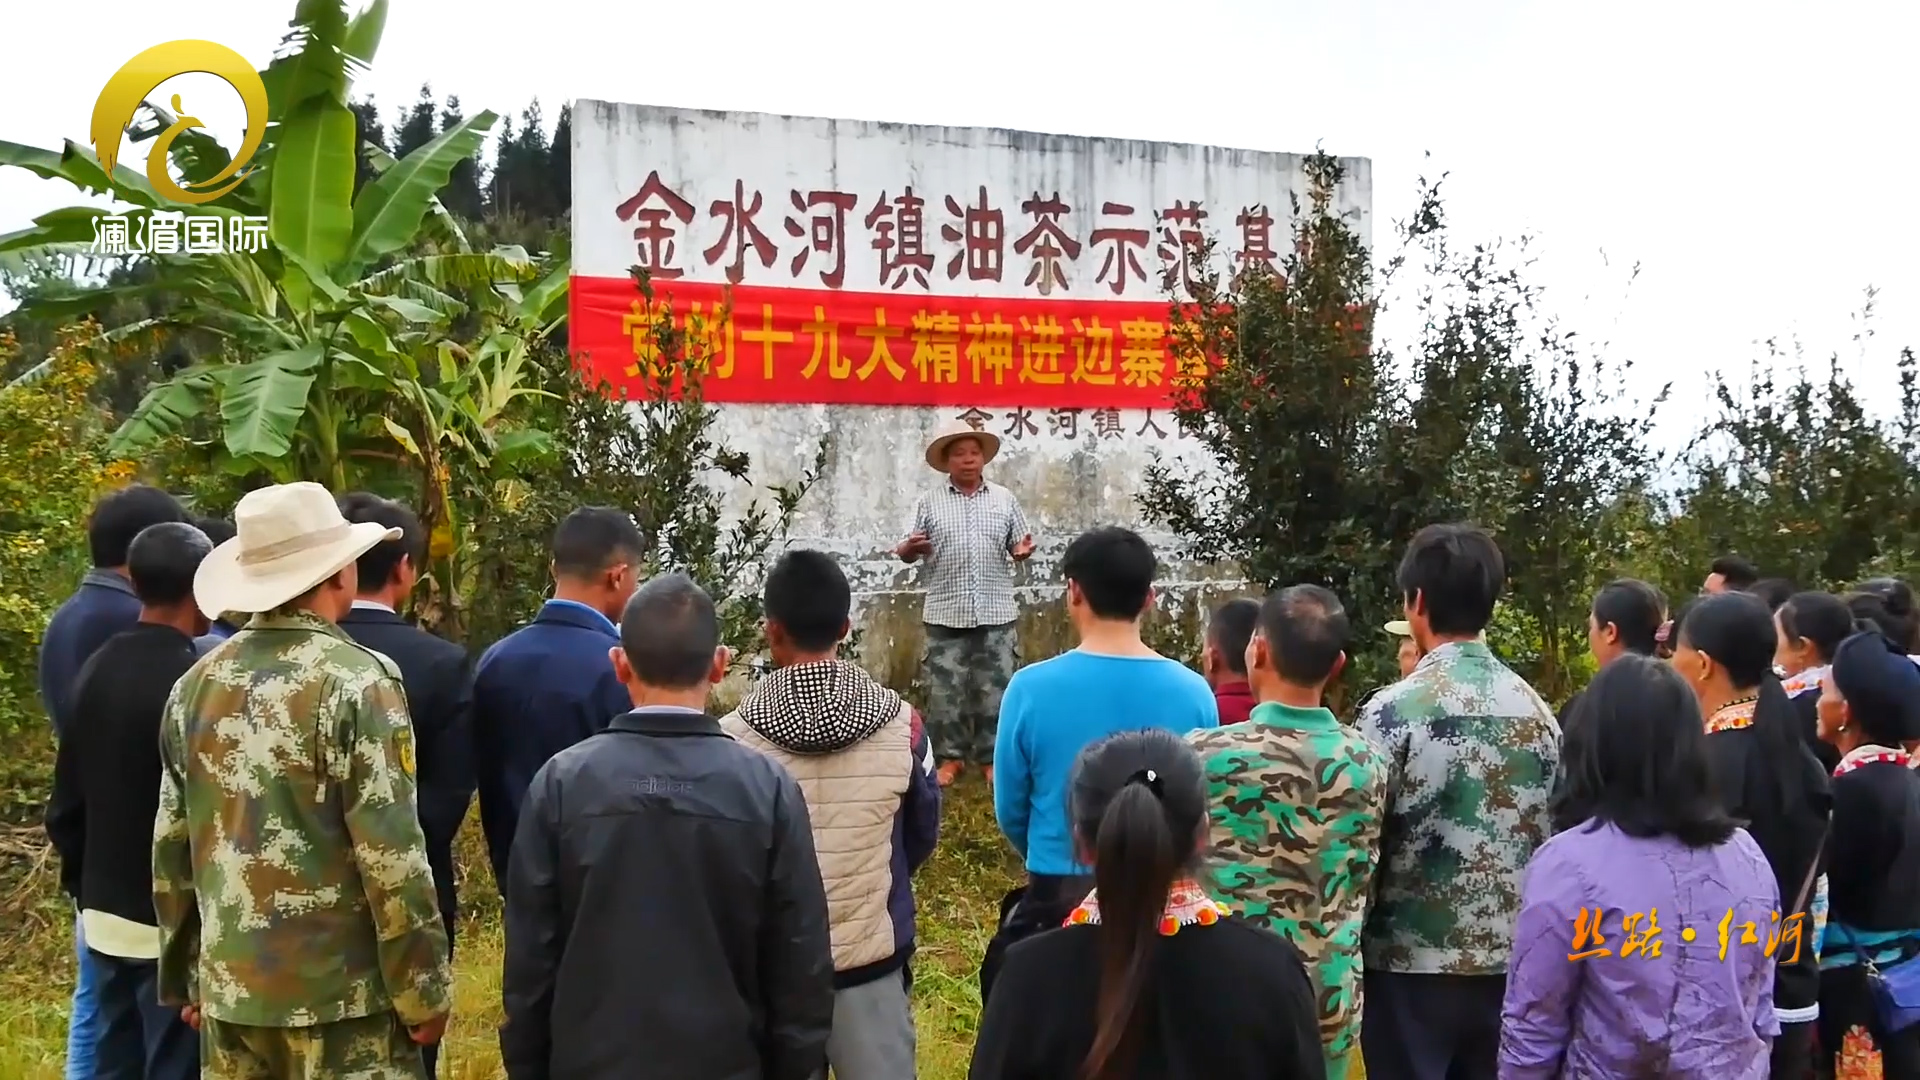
[
  {"x": 965, "y": 672},
  {"x": 364, "y": 1048}
]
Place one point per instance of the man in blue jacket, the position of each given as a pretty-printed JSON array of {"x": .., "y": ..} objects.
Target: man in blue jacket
[
  {"x": 551, "y": 683},
  {"x": 101, "y": 607}
]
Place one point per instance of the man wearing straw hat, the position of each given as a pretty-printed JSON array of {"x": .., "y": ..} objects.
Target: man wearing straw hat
[
  {"x": 967, "y": 534},
  {"x": 300, "y": 931}
]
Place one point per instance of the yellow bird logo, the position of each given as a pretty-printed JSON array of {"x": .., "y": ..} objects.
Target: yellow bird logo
[{"x": 144, "y": 73}]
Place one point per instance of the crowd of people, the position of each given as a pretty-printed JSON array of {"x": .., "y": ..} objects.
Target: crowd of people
[{"x": 1707, "y": 865}]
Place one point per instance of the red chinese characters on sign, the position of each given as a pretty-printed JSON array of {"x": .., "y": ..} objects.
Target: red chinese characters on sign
[
  {"x": 826, "y": 235},
  {"x": 656, "y": 238},
  {"x": 780, "y": 344},
  {"x": 1048, "y": 242},
  {"x": 741, "y": 233},
  {"x": 900, "y": 236}
]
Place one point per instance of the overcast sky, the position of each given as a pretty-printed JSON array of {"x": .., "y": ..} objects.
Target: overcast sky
[{"x": 1756, "y": 160}]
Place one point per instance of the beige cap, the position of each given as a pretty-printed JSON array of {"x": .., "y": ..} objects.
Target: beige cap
[
  {"x": 1399, "y": 628},
  {"x": 288, "y": 538},
  {"x": 954, "y": 430}
]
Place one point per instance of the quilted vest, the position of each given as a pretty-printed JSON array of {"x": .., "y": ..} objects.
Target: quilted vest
[{"x": 853, "y": 797}]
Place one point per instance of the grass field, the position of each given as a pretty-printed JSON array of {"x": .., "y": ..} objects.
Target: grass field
[{"x": 958, "y": 892}]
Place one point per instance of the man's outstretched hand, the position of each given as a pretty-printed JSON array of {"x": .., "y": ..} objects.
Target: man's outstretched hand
[
  {"x": 1022, "y": 549},
  {"x": 429, "y": 1033},
  {"x": 917, "y": 546}
]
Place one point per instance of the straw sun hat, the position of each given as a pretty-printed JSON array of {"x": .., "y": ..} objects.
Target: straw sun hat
[
  {"x": 1399, "y": 628},
  {"x": 954, "y": 430},
  {"x": 288, "y": 539}
]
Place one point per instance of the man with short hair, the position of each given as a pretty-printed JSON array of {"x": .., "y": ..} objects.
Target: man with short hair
[
  {"x": 219, "y": 531},
  {"x": 438, "y": 680},
  {"x": 865, "y": 766},
  {"x": 101, "y": 607},
  {"x": 665, "y": 917},
  {"x": 968, "y": 534},
  {"x": 1471, "y": 752},
  {"x": 1223, "y": 659},
  {"x": 298, "y": 923},
  {"x": 106, "y": 792},
  {"x": 549, "y": 684},
  {"x": 1053, "y": 709},
  {"x": 1730, "y": 573},
  {"x": 1295, "y": 810}
]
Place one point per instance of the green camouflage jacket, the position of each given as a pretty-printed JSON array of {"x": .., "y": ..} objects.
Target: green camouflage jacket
[
  {"x": 1295, "y": 801},
  {"x": 289, "y": 872},
  {"x": 1471, "y": 757}
]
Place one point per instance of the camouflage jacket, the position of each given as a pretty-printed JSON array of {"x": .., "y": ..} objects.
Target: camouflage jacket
[
  {"x": 290, "y": 876},
  {"x": 1471, "y": 756},
  {"x": 1295, "y": 801}
]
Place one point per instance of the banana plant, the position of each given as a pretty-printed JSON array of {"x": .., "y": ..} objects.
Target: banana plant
[{"x": 336, "y": 340}]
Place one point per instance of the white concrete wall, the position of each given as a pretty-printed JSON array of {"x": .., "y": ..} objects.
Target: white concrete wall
[{"x": 1068, "y": 475}]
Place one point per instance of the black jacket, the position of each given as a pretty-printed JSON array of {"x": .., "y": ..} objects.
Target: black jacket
[
  {"x": 665, "y": 916},
  {"x": 439, "y": 683},
  {"x": 1790, "y": 831},
  {"x": 106, "y": 780},
  {"x": 1224, "y": 1001}
]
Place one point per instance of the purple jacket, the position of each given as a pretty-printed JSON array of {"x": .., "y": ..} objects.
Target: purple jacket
[{"x": 1685, "y": 1014}]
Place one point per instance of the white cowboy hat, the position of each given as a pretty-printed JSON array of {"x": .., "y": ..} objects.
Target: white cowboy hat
[
  {"x": 959, "y": 429},
  {"x": 1399, "y": 628},
  {"x": 288, "y": 539}
]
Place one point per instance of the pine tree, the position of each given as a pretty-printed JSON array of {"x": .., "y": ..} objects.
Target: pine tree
[
  {"x": 372, "y": 133},
  {"x": 560, "y": 164},
  {"x": 462, "y": 195},
  {"x": 416, "y": 130}
]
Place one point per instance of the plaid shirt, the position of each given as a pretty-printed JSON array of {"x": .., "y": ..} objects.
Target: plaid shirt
[{"x": 969, "y": 576}]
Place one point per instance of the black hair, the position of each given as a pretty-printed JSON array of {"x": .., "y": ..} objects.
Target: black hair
[
  {"x": 1458, "y": 571},
  {"x": 809, "y": 597},
  {"x": 1114, "y": 568},
  {"x": 1773, "y": 591},
  {"x": 1229, "y": 629},
  {"x": 1306, "y": 630},
  {"x": 669, "y": 632},
  {"x": 163, "y": 559},
  {"x": 1138, "y": 803},
  {"x": 593, "y": 538},
  {"x": 377, "y": 565},
  {"x": 1737, "y": 631},
  {"x": 1881, "y": 687},
  {"x": 219, "y": 530},
  {"x": 120, "y": 516},
  {"x": 1820, "y": 618},
  {"x": 1738, "y": 573},
  {"x": 1633, "y": 608},
  {"x": 1888, "y": 604},
  {"x": 1636, "y": 758}
]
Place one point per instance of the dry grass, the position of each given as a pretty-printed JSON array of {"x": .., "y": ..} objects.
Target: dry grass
[{"x": 958, "y": 891}]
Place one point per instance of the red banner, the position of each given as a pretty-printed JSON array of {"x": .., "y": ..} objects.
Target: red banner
[{"x": 816, "y": 346}]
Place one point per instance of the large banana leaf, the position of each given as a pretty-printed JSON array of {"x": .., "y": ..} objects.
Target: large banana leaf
[
  {"x": 443, "y": 224},
  {"x": 387, "y": 215},
  {"x": 199, "y": 156},
  {"x": 547, "y": 300},
  {"x": 311, "y": 215},
  {"x": 164, "y": 410},
  {"x": 364, "y": 32},
  {"x": 77, "y": 166},
  {"x": 473, "y": 270},
  {"x": 261, "y": 403},
  {"x": 311, "y": 62}
]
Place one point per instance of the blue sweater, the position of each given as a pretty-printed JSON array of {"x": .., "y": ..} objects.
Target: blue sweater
[
  {"x": 101, "y": 607},
  {"x": 1052, "y": 710}
]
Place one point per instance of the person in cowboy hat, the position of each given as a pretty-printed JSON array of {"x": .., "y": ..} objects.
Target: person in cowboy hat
[
  {"x": 298, "y": 920},
  {"x": 967, "y": 534}
]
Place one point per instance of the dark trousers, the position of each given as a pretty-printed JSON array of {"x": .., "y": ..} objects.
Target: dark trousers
[
  {"x": 140, "y": 1039},
  {"x": 1431, "y": 1027},
  {"x": 1042, "y": 904},
  {"x": 1792, "y": 1053}
]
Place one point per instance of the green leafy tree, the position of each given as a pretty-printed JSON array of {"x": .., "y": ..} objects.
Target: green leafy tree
[{"x": 654, "y": 454}]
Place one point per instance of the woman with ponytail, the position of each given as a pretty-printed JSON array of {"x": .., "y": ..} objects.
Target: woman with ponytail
[
  {"x": 1130, "y": 987},
  {"x": 1768, "y": 778},
  {"x": 1811, "y": 626}
]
